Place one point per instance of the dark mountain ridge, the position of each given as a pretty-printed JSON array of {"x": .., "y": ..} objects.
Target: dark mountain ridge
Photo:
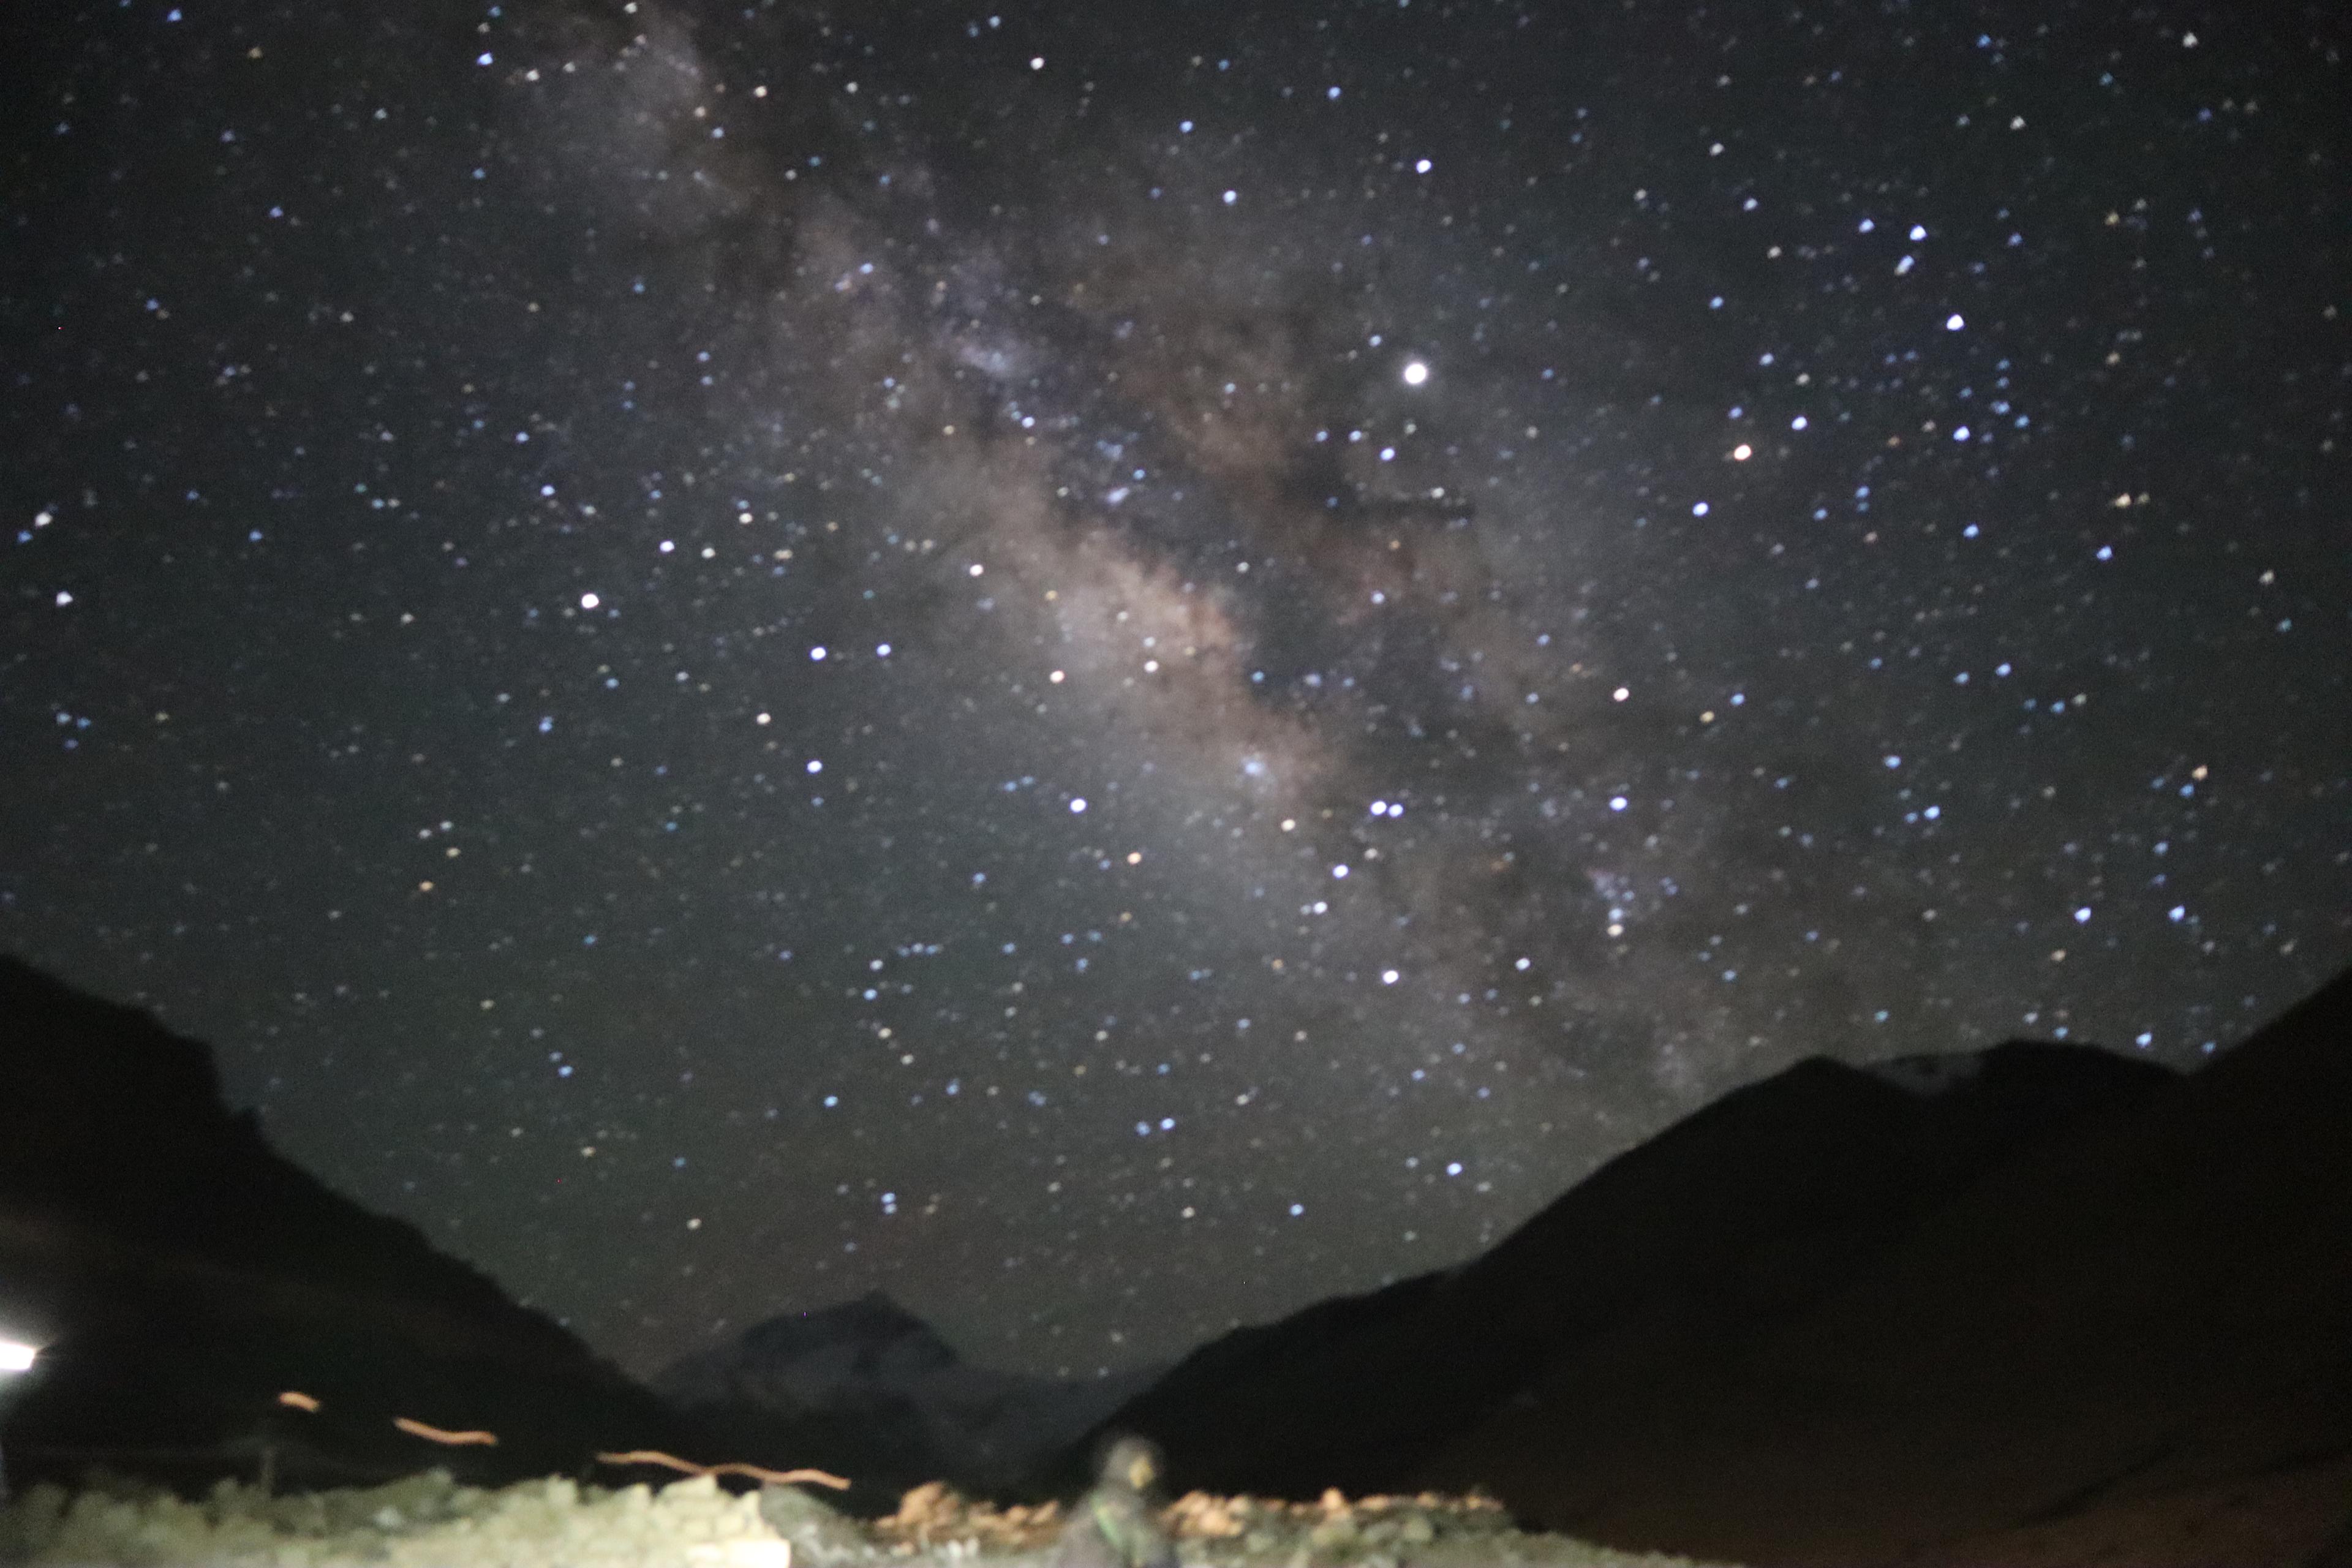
[
  {"x": 2041, "y": 1305},
  {"x": 182, "y": 1274},
  {"x": 1749, "y": 1210},
  {"x": 2149, "y": 1317}
]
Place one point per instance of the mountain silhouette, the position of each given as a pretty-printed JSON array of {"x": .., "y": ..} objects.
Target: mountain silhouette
[
  {"x": 1746, "y": 1211},
  {"x": 2135, "y": 1337},
  {"x": 2002, "y": 1306},
  {"x": 886, "y": 1399},
  {"x": 181, "y": 1275}
]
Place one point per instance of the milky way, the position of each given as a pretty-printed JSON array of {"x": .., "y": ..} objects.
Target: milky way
[{"x": 1114, "y": 671}]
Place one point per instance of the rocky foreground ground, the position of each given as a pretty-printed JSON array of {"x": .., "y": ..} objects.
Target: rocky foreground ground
[{"x": 429, "y": 1521}]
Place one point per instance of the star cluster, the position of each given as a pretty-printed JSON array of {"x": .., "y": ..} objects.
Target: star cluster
[{"x": 1114, "y": 667}]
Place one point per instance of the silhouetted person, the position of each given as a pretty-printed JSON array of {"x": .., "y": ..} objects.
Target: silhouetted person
[{"x": 1115, "y": 1525}]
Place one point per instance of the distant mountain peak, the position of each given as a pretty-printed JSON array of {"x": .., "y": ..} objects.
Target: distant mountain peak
[
  {"x": 869, "y": 1339},
  {"x": 869, "y": 1364}
]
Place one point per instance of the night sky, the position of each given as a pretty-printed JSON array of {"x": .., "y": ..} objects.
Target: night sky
[{"x": 1116, "y": 667}]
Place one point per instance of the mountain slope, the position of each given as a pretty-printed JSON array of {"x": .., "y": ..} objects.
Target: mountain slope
[
  {"x": 2153, "y": 1309},
  {"x": 182, "y": 1274},
  {"x": 1745, "y": 1214}
]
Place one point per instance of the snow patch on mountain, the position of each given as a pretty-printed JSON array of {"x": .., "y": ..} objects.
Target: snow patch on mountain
[{"x": 1928, "y": 1075}]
